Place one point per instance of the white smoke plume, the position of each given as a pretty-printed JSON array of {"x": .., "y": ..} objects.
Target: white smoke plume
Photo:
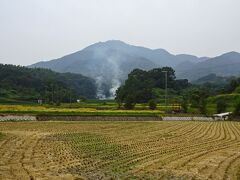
[
  {"x": 115, "y": 85},
  {"x": 109, "y": 73},
  {"x": 100, "y": 90}
]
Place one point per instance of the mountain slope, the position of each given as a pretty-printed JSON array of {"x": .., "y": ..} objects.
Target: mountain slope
[
  {"x": 21, "y": 83},
  {"x": 227, "y": 64},
  {"x": 110, "y": 62},
  {"x": 214, "y": 79}
]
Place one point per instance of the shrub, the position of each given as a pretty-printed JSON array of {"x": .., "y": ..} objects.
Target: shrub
[
  {"x": 203, "y": 106},
  {"x": 119, "y": 103},
  {"x": 83, "y": 99},
  {"x": 58, "y": 103},
  {"x": 184, "y": 104},
  {"x": 129, "y": 102},
  {"x": 104, "y": 103},
  {"x": 152, "y": 104}
]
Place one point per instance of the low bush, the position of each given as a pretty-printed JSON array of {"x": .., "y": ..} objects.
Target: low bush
[{"x": 152, "y": 104}]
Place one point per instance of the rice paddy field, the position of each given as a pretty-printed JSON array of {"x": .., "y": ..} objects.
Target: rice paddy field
[
  {"x": 75, "y": 110},
  {"x": 120, "y": 150}
]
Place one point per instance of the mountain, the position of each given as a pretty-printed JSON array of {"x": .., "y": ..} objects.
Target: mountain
[
  {"x": 227, "y": 64},
  {"x": 214, "y": 79},
  {"x": 25, "y": 84},
  {"x": 110, "y": 62}
]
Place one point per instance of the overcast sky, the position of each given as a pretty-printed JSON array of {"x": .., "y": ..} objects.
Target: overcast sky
[{"x": 34, "y": 30}]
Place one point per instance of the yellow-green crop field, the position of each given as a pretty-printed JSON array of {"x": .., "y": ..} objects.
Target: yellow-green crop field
[
  {"x": 51, "y": 110},
  {"x": 120, "y": 150}
]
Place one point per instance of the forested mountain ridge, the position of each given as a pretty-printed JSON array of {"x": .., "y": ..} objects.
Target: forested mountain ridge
[
  {"x": 109, "y": 63},
  {"x": 227, "y": 64},
  {"x": 30, "y": 84},
  {"x": 214, "y": 79}
]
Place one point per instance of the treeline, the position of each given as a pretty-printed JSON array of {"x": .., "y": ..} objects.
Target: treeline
[
  {"x": 27, "y": 84},
  {"x": 218, "y": 84},
  {"x": 149, "y": 87},
  {"x": 233, "y": 86},
  {"x": 143, "y": 86},
  {"x": 222, "y": 95}
]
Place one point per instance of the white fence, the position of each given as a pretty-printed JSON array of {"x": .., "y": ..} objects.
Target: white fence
[
  {"x": 187, "y": 118},
  {"x": 76, "y": 118},
  {"x": 17, "y": 118}
]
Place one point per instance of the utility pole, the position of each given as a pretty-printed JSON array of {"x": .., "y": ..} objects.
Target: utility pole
[
  {"x": 70, "y": 97},
  {"x": 165, "y": 87},
  {"x": 52, "y": 94},
  {"x": 57, "y": 94},
  {"x": 45, "y": 95}
]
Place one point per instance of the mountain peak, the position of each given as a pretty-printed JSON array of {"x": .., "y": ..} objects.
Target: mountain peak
[
  {"x": 160, "y": 50},
  {"x": 231, "y": 53},
  {"x": 114, "y": 42},
  {"x": 108, "y": 44}
]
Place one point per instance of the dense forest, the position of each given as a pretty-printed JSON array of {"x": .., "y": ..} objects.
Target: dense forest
[
  {"x": 19, "y": 83},
  {"x": 149, "y": 87},
  {"x": 142, "y": 86}
]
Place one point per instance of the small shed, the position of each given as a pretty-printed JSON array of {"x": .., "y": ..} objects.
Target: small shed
[{"x": 222, "y": 116}]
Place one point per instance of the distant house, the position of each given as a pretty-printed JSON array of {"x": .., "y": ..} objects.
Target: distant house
[{"x": 40, "y": 101}]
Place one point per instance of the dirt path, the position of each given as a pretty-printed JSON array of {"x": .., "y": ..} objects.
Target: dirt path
[{"x": 26, "y": 155}]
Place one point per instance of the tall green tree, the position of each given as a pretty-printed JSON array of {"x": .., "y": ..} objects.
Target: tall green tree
[
  {"x": 198, "y": 99},
  {"x": 221, "y": 106},
  {"x": 140, "y": 84},
  {"x": 237, "y": 108}
]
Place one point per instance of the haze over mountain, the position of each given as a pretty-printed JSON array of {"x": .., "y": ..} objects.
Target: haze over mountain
[
  {"x": 110, "y": 62},
  {"x": 227, "y": 64},
  {"x": 214, "y": 80}
]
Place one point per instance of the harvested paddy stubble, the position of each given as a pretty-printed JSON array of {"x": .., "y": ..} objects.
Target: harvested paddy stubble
[{"x": 96, "y": 150}]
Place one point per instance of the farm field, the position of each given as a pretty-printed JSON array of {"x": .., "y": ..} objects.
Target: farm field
[
  {"x": 82, "y": 111},
  {"x": 110, "y": 108},
  {"x": 120, "y": 150}
]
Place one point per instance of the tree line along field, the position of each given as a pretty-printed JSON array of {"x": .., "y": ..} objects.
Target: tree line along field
[
  {"x": 120, "y": 150},
  {"x": 110, "y": 108},
  {"x": 98, "y": 108},
  {"x": 74, "y": 110}
]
